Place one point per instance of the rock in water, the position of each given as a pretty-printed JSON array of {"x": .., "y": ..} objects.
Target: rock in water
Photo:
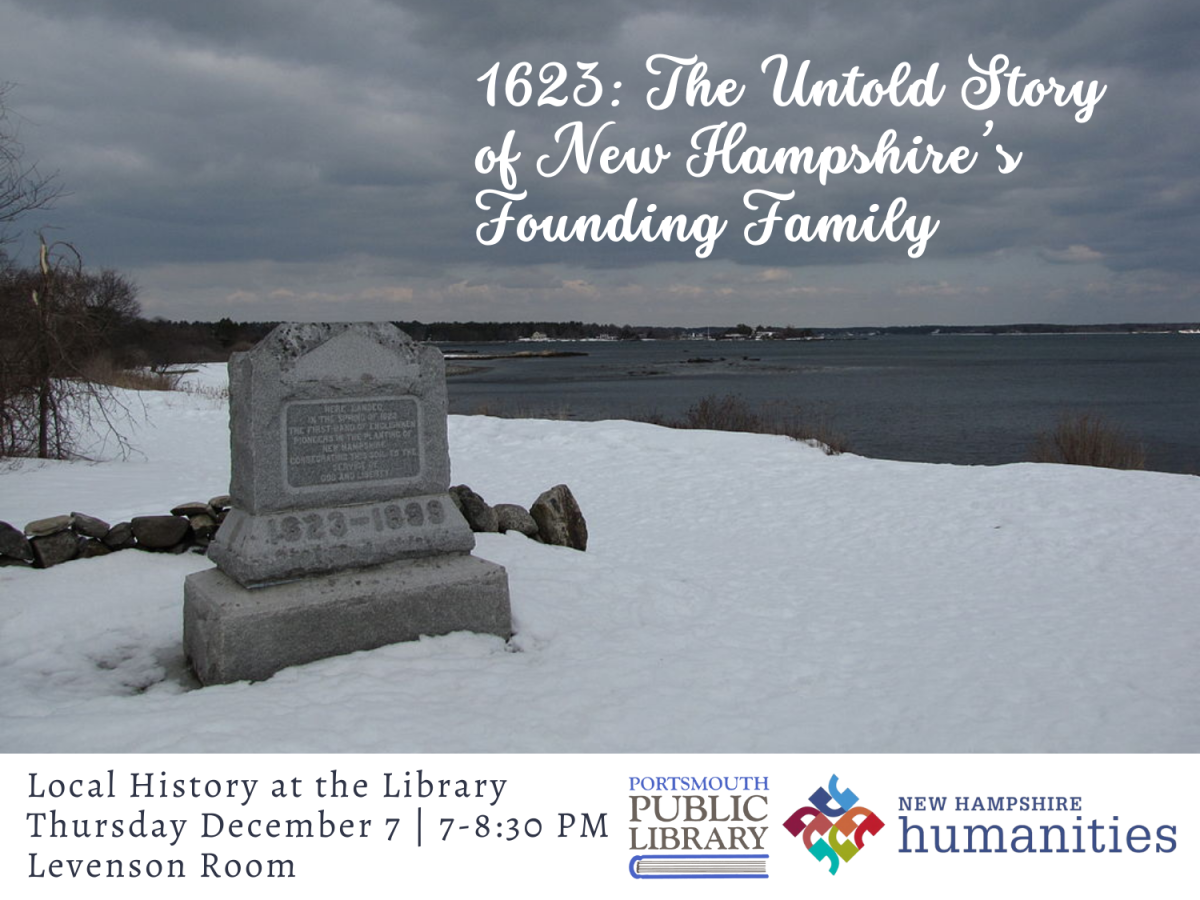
[
  {"x": 510, "y": 517},
  {"x": 159, "y": 532},
  {"x": 559, "y": 518}
]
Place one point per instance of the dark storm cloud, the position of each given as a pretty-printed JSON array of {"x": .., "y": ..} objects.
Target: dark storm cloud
[{"x": 290, "y": 135}]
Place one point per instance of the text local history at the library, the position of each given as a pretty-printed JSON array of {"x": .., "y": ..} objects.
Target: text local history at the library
[{"x": 145, "y": 785}]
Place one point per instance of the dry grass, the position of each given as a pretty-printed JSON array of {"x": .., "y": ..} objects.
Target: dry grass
[
  {"x": 728, "y": 412},
  {"x": 561, "y": 413},
  {"x": 1088, "y": 439},
  {"x": 731, "y": 412},
  {"x": 209, "y": 391},
  {"x": 102, "y": 370}
]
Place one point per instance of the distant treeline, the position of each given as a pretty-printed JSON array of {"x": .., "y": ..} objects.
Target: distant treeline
[
  {"x": 157, "y": 342},
  {"x": 1024, "y": 328},
  {"x": 573, "y": 331},
  {"x": 513, "y": 331}
]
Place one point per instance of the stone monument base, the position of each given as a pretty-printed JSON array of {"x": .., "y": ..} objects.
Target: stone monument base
[{"x": 232, "y": 633}]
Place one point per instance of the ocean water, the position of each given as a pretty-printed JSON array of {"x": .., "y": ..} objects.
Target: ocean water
[{"x": 942, "y": 398}]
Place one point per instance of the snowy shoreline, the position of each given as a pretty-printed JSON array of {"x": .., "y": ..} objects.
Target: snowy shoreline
[{"x": 741, "y": 593}]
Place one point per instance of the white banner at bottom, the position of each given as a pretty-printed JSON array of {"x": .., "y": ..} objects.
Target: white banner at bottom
[{"x": 664, "y": 826}]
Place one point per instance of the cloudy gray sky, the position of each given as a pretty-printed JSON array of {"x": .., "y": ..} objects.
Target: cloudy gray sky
[{"x": 314, "y": 159}]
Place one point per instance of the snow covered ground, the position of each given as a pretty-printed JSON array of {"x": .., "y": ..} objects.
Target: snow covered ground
[{"x": 740, "y": 593}]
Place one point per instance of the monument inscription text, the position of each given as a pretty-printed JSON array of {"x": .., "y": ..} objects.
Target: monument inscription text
[
  {"x": 345, "y": 441},
  {"x": 360, "y": 522}
]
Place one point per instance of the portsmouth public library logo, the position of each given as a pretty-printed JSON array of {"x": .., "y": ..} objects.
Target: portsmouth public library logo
[
  {"x": 834, "y": 826},
  {"x": 698, "y": 827}
]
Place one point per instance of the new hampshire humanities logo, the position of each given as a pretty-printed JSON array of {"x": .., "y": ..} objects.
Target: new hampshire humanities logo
[{"x": 837, "y": 841}]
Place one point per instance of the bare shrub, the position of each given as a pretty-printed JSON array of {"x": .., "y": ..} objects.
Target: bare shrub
[
  {"x": 208, "y": 391},
  {"x": 1088, "y": 439},
  {"x": 47, "y": 402},
  {"x": 560, "y": 413},
  {"x": 731, "y": 412},
  {"x": 714, "y": 412},
  {"x": 100, "y": 369},
  {"x": 832, "y": 441},
  {"x": 726, "y": 413}
]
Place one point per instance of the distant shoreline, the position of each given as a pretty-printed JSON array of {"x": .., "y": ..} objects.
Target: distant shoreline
[
  {"x": 519, "y": 354},
  {"x": 845, "y": 334}
]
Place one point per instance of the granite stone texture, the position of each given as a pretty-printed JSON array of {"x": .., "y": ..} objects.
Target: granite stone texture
[
  {"x": 48, "y": 526},
  {"x": 159, "y": 532},
  {"x": 52, "y": 549},
  {"x": 234, "y": 633},
  {"x": 559, "y": 519},
  {"x": 89, "y": 526},
  {"x": 120, "y": 537},
  {"x": 510, "y": 517},
  {"x": 14, "y": 544},
  {"x": 284, "y": 546},
  {"x": 335, "y": 414},
  {"x": 339, "y": 454},
  {"x": 341, "y": 535}
]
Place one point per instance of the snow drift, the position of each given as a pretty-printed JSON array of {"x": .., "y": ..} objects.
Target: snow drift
[{"x": 740, "y": 593}]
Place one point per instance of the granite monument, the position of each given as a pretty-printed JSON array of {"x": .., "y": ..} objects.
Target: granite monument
[{"x": 342, "y": 535}]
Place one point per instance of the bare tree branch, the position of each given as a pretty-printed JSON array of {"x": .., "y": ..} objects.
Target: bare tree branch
[
  {"x": 22, "y": 187},
  {"x": 59, "y": 322}
]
